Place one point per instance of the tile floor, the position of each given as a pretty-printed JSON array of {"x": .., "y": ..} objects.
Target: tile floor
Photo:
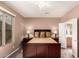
[{"x": 65, "y": 53}]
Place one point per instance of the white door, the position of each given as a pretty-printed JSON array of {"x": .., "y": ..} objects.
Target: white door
[
  {"x": 74, "y": 36},
  {"x": 62, "y": 34}
]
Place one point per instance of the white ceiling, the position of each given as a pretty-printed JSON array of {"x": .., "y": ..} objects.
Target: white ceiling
[{"x": 31, "y": 8}]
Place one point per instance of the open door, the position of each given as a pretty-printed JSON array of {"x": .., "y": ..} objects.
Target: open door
[
  {"x": 75, "y": 37},
  {"x": 62, "y": 34}
]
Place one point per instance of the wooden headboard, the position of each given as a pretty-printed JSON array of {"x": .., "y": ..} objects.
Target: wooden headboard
[{"x": 42, "y": 30}]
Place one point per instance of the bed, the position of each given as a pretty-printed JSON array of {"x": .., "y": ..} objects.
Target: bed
[{"x": 42, "y": 46}]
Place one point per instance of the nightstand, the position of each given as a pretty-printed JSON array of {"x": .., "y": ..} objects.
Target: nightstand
[
  {"x": 25, "y": 40},
  {"x": 56, "y": 39}
]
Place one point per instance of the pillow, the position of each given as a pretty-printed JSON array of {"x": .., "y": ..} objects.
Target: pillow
[
  {"x": 48, "y": 34},
  {"x": 42, "y": 34},
  {"x": 36, "y": 34}
]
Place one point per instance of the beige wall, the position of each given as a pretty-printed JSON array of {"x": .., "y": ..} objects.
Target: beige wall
[
  {"x": 41, "y": 23},
  {"x": 18, "y": 28},
  {"x": 71, "y": 14}
]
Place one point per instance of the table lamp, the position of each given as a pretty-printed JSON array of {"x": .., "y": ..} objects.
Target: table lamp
[
  {"x": 55, "y": 32},
  {"x": 28, "y": 33}
]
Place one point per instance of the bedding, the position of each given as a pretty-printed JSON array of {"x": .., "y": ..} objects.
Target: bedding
[{"x": 42, "y": 40}]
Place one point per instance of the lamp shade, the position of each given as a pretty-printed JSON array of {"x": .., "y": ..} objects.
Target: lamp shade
[
  {"x": 55, "y": 32},
  {"x": 28, "y": 32}
]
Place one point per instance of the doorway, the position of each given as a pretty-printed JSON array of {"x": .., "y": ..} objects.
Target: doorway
[
  {"x": 65, "y": 34},
  {"x": 69, "y": 35}
]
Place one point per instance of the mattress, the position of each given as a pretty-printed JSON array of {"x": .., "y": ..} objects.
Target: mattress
[{"x": 42, "y": 40}]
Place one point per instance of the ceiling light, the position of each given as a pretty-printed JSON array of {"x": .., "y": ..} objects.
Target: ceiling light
[{"x": 42, "y": 4}]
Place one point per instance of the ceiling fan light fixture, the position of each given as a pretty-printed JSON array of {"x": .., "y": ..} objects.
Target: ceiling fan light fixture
[{"x": 43, "y": 4}]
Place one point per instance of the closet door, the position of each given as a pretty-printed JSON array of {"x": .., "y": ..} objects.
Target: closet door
[{"x": 62, "y": 34}]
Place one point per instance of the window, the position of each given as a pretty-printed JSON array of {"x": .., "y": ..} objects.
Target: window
[
  {"x": 5, "y": 28},
  {"x": 1, "y": 28},
  {"x": 8, "y": 28}
]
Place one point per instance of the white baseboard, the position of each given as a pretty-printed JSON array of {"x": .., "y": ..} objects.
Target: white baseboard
[{"x": 12, "y": 52}]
